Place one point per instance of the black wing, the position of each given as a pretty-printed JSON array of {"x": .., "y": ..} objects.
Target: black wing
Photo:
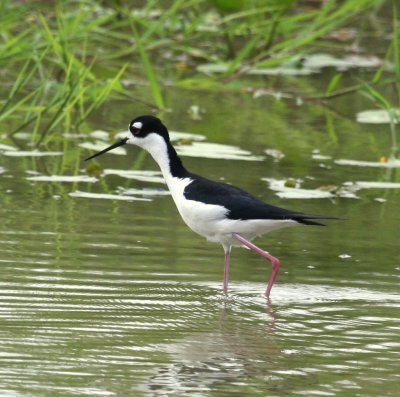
[{"x": 240, "y": 204}]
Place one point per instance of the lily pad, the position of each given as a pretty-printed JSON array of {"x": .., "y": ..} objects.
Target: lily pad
[
  {"x": 391, "y": 163},
  {"x": 100, "y": 134},
  {"x": 294, "y": 192},
  {"x": 71, "y": 135},
  {"x": 283, "y": 191},
  {"x": 358, "y": 185},
  {"x": 379, "y": 116},
  {"x": 216, "y": 151},
  {"x": 3, "y": 147},
  {"x": 63, "y": 178},
  {"x": 23, "y": 136},
  {"x": 138, "y": 175},
  {"x": 32, "y": 153},
  {"x": 143, "y": 192},
  {"x": 106, "y": 196},
  {"x": 177, "y": 135}
]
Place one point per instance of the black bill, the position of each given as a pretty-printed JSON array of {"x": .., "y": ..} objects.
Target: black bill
[{"x": 113, "y": 146}]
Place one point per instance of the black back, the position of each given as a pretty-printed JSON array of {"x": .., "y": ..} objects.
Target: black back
[{"x": 241, "y": 204}]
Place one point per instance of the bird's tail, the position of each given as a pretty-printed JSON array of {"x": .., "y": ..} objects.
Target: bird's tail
[{"x": 308, "y": 219}]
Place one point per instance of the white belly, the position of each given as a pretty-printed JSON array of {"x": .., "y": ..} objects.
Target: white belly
[
  {"x": 211, "y": 222},
  {"x": 220, "y": 230}
]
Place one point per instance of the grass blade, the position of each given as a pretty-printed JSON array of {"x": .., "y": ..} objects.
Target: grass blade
[{"x": 151, "y": 77}]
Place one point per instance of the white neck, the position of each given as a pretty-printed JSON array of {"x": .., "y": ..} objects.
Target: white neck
[
  {"x": 159, "y": 152},
  {"x": 157, "y": 147}
]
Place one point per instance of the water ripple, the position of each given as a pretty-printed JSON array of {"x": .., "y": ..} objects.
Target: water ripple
[{"x": 92, "y": 303}]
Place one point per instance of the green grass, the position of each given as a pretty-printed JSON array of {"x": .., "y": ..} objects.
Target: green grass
[{"x": 60, "y": 63}]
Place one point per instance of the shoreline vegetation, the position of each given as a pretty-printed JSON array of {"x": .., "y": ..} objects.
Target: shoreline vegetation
[{"x": 61, "y": 62}]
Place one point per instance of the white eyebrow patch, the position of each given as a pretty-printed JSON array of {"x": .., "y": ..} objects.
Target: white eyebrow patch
[{"x": 138, "y": 125}]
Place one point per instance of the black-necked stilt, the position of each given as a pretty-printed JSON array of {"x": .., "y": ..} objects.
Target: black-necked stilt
[{"x": 220, "y": 212}]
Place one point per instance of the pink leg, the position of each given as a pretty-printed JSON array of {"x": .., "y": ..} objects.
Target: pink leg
[
  {"x": 274, "y": 261},
  {"x": 226, "y": 268}
]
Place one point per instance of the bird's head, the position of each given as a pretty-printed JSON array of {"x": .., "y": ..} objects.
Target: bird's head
[{"x": 148, "y": 132}]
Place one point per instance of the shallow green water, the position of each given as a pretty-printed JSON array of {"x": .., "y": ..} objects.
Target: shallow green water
[{"x": 102, "y": 297}]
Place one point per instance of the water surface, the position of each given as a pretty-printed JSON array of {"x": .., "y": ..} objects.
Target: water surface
[{"x": 104, "y": 297}]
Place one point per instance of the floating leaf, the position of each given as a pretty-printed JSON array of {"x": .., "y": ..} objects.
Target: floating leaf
[
  {"x": 71, "y": 135},
  {"x": 143, "y": 192},
  {"x": 63, "y": 178},
  {"x": 140, "y": 175},
  {"x": 216, "y": 151},
  {"x": 358, "y": 185},
  {"x": 379, "y": 116},
  {"x": 106, "y": 196},
  {"x": 32, "y": 153},
  {"x": 391, "y": 163},
  {"x": 100, "y": 134},
  {"x": 318, "y": 156},
  {"x": 23, "y": 136},
  {"x": 290, "y": 192},
  {"x": 176, "y": 136},
  {"x": 3, "y": 146}
]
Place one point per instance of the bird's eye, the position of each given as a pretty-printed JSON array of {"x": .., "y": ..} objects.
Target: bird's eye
[
  {"x": 135, "y": 127},
  {"x": 134, "y": 130}
]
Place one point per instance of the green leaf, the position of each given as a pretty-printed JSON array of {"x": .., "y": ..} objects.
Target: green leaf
[
  {"x": 335, "y": 80},
  {"x": 154, "y": 86},
  {"x": 228, "y": 5}
]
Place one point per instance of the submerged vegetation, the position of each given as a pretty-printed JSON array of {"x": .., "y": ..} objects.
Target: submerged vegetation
[{"x": 61, "y": 62}]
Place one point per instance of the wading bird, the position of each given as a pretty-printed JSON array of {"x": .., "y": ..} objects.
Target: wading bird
[{"x": 219, "y": 212}]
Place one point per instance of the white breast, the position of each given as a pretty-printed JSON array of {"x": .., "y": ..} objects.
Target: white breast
[{"x": 202, "y": 218}]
